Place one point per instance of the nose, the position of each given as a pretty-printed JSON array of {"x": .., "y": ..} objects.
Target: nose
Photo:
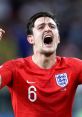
[{"x": 47, "y": 28}]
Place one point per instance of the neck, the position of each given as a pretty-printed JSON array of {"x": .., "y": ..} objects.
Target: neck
[{"x": 44, "y": 61}]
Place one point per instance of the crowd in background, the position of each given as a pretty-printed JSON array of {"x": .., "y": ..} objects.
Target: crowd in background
[{"x": 13, "y": 19}]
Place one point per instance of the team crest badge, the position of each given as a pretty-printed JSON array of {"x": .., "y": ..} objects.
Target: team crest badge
[{"x": 61, "y": 79}]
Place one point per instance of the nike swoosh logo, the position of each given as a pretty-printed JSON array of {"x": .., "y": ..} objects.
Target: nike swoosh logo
[{"x": 30, "y": 82}]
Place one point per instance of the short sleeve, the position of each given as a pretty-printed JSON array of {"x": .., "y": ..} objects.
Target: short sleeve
[
  {"x": 6, "y": 73},
  {"x": 79, "y": 67}
]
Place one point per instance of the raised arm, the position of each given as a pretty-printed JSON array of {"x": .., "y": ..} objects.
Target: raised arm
[
  {"x": 5, "y": 69},
  {"x": 1, "y": 33}
]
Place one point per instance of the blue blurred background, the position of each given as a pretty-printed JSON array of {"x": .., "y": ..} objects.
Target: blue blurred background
[{"x": 13, "y": 19}]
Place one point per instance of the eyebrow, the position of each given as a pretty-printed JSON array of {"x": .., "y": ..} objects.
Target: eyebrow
[{"x": 45, "y": 23}]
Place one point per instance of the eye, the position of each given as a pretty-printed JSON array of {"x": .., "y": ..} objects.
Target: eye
[
  {"x": 52, "y": 26},
  {"x": 41, "y": 27}
]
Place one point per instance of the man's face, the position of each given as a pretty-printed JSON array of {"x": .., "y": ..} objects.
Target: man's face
[{"x": 45, "y": 35}]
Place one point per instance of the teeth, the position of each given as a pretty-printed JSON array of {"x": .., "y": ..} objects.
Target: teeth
[{"x": 47, "y": 36}]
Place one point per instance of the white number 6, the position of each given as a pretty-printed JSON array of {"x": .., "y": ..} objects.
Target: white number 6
[{"x": 32, "y": 96}]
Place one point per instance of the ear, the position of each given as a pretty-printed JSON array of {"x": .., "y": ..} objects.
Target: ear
[{"x": 30, "y": 39}]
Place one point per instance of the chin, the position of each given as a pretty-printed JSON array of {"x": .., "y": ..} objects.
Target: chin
[{"x": 48, "y": 52}]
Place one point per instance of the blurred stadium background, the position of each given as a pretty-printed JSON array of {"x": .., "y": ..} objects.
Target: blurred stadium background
[{"x": 13, "y": 19}]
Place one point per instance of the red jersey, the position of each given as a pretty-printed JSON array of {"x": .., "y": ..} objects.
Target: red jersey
[{"x": 38, "y": 92}]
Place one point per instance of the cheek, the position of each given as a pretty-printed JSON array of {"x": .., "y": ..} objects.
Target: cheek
[
  {"x": 38, "y": 38},
  {"x": 56, "y": 36}
]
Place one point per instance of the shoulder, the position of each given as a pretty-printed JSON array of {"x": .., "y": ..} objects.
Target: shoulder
[
  {"x": 70, "y": 61},
  {"x": 19, "y": 62}
]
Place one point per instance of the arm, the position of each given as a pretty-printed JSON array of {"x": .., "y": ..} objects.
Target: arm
[
  {"x": 1, "y": 33},
  {"x": 5, "y": 69},
  {"x": 0, "y": 80},
  {"x": 6, "y": 73}
]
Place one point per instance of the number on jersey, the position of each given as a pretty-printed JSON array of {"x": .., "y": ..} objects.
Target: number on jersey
[{"x": 32, "y": 96}]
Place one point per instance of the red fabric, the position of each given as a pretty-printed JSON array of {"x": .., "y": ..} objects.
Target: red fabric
[{"x": 37, "y": 92}]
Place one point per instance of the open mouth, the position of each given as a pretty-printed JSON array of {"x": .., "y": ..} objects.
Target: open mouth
[{"x": 48, "y": 40}]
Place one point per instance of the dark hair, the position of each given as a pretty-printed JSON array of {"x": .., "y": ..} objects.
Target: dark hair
[{"x": 32, "y": 20}]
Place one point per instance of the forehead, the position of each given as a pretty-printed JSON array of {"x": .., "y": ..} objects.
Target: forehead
[{"x": 44, "y": 20}]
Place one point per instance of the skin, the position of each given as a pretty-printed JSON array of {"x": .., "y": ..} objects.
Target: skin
[
  {"x": 1, "y": 33},
  {"x": 44, "y": 54}
]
